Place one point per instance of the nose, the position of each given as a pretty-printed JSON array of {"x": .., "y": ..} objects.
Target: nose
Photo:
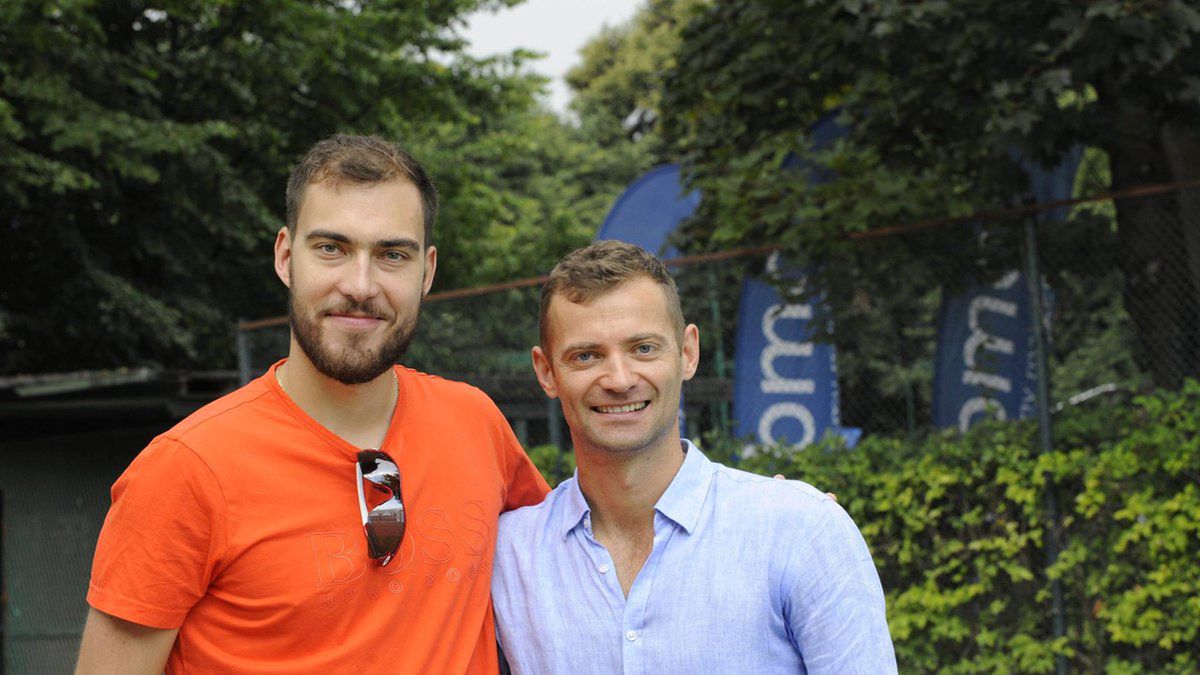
[
  {"x": 358, "y": 279},
  {"x": 619, "y": 376}
]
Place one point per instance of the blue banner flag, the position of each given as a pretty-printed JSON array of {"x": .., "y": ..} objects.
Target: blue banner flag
[
  {"x": 985, "y": 353},
  {"x": 785, "y": 387},
  {"x": 649, "y": 210},
  {"x": 984, "y": 366}
]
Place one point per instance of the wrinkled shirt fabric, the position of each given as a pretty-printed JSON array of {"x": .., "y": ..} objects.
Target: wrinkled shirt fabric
[{"x": 747, "y": 575}]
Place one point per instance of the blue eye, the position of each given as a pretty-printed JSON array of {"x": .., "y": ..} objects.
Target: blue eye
[{"x": 644, "y": 349}]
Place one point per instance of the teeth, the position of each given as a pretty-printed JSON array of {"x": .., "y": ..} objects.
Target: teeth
[{"x": 630, "y": 407}]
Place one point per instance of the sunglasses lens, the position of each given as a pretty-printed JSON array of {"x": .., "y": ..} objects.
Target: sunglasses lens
[
  {"x": 385, "y": 529},
  {"x": 380, "y": 470},
  {"x": 384, "y": 523}
]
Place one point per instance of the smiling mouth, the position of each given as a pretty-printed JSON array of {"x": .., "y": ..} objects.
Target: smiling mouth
[
  {"x": 354, "y": 322},
  {"x": 628, "y": 407}
]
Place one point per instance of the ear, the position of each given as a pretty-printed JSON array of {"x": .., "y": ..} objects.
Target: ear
[
  {"x": 544, "y": 372},
  {"x": 430, "y": 268},
  {"x": 690, "y": 350},
  {"x": 283, "y": 255}
]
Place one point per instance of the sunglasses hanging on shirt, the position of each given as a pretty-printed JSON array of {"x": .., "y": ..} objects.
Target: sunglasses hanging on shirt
[{"x": 383, "y": 523}]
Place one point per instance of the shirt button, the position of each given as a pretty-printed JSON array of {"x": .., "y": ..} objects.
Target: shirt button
[
  {"x": 631, "y": 636},
  {"x": 603, "y": 568}
]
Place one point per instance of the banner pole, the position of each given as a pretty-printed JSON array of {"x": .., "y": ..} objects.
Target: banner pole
[{"x": 1051, "y": 544}]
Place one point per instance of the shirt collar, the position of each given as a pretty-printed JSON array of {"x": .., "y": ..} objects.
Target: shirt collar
[
  {"x": 685, "y": 495},
  {"x": 575, "y": 508},
  {"x": 681, "y": 502}
]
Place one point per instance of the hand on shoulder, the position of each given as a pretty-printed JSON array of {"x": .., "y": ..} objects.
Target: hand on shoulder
[{"x": 780, "y": 476}]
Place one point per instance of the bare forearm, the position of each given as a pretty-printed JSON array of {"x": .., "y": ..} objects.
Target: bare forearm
[{"x": 112, "y": 645}]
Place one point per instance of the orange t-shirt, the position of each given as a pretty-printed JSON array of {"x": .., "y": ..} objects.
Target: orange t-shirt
[{"x": 240, "y": 526}]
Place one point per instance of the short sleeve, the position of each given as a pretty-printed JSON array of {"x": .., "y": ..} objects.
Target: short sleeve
[
  {"x": 161, "y": 541},
  {"x": 835, "y": 605},
  {"x": 524, "y": 485}
]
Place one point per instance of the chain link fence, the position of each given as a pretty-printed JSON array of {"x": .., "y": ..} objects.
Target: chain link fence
[
  {"x": 55, "y": 493},
  {"x": 1120, "y": 280}
]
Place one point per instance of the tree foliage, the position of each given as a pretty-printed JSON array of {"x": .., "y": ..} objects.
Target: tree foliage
[
  {"x": 941, "y": 99},
  {"x": 144, "y": 150},
  {"x": 618, "y": 83},
  {"x": 520, "y": 189}
]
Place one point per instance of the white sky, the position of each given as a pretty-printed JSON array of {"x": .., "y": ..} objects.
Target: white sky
[{"x": 556, "y": 28}]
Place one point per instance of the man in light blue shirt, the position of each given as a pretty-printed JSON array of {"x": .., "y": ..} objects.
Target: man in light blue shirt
[{"x": 653, "y": 559}]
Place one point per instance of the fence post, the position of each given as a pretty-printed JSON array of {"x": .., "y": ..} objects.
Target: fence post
[
  {"x": 1046, "y": 443},
  {"x": 718, "y": 335},
  {"x": 520, "y": 427},
  {"x": 243, "y": 354},
  {"x": 4, "y": 633}
]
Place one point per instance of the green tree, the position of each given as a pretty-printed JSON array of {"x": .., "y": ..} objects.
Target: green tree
[
  {"x": 937, "y": 96},
  {"x": 143, "y": 153},
  {"x": 520, "y": 189},
  {"x": 618, "y": 83}
]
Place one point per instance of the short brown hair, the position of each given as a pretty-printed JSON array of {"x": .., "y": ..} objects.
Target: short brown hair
[
  {"x": 589, "y": 272},
  {"x": 359, "y": 160}
]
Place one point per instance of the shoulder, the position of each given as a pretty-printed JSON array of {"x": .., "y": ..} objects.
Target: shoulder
[
  {"x": 785, "y": 505},
  {"x": 441, "y": 390},
  {"x": 218, "y": 422},
  {"x": 447, "y": 408},
  {"x": 810, "y": 537},
  {"x": 784, "y": 495},
  {"x": 166, "y": 476},
  {"x": 521, "y": 527},
  {"x": 536, "y": 516}
]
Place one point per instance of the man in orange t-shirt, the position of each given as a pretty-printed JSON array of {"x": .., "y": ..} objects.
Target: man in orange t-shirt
[{"x": 236, "y": 539}]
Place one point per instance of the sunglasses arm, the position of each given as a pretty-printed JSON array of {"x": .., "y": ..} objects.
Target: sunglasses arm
[{"x": 362, "y": 500}]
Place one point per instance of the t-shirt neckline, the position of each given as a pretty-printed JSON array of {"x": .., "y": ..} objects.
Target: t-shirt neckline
[{"x": 391, "y": 439}]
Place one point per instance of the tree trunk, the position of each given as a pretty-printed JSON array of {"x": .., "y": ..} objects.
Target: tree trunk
[
  {"x": 1159, "y": 239},
  {"x": 1182, "y": 147}
]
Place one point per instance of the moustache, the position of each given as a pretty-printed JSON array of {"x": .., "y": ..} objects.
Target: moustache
[{"x": 363, "y": 308}]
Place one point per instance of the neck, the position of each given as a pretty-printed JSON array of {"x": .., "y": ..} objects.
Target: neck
[
  {"x": 358, "y": 413},
  {"x": 622, "y": 488}
]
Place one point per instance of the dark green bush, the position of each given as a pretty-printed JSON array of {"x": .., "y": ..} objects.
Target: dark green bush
[{"x": 957, "y": 522}]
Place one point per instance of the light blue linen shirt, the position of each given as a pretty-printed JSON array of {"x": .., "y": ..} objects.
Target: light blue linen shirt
[{"x": 747, "y": 575}]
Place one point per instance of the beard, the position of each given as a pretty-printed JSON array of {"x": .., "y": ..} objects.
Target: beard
[{"x": 355, "y": 362}]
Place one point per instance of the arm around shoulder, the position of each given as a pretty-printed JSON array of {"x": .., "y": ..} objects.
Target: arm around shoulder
[{"x": 114, "y": 645}]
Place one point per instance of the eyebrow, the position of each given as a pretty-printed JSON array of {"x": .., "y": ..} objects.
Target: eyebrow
[
  {"x": 588, "y": 346},
  {"x": 642, "y": 337},
  {"x": 578, "y": 347},
  {"x": 403, "y": 242}
]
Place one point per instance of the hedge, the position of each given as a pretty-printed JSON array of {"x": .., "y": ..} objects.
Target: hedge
[{"x": 956, "y": 523}]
